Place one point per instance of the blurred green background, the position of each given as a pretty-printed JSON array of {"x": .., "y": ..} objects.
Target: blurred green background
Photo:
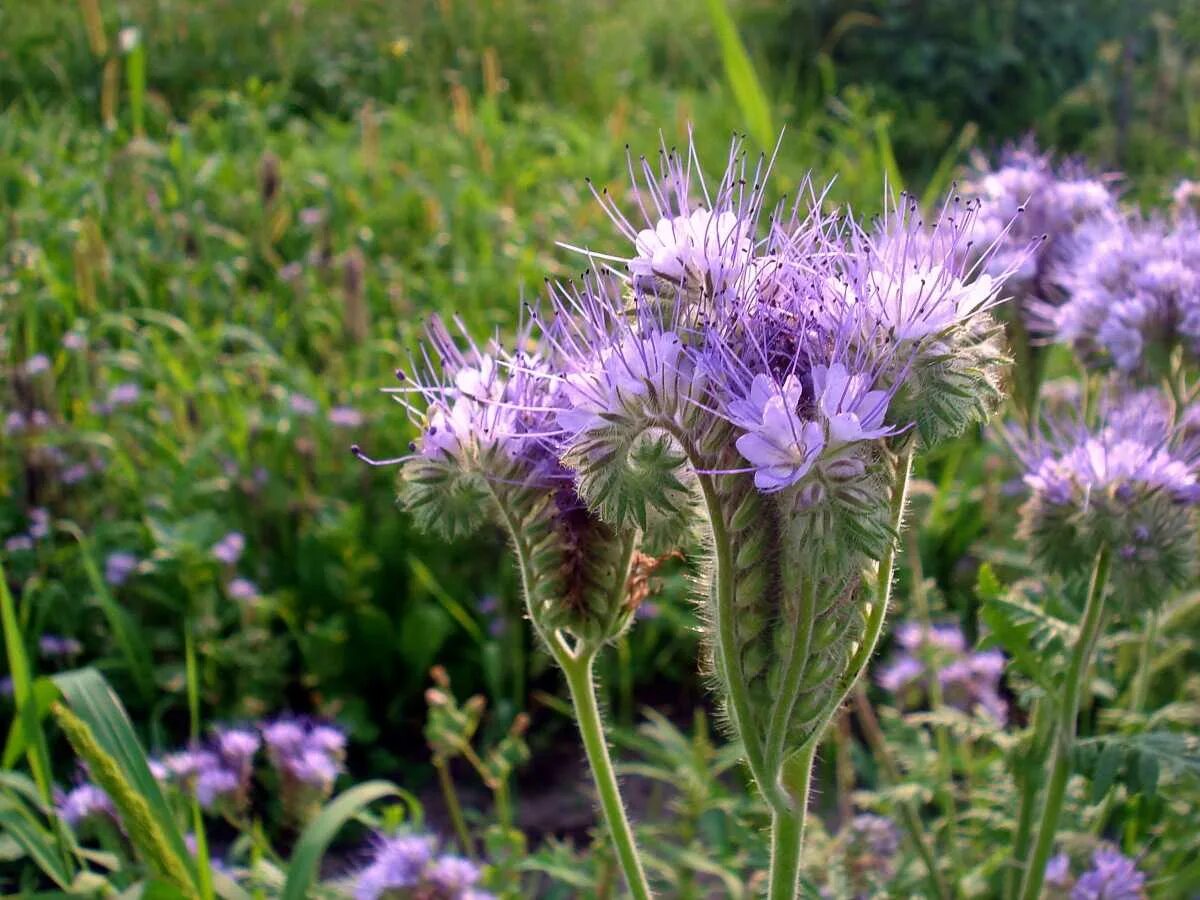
[{"x": 245, "y": 210}]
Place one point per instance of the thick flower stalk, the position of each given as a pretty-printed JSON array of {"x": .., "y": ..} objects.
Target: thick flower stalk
[
  {"x": 487, "y": 451},
  {"x": 763, "y": 379},
  {"x": 1119, "y": 499}
]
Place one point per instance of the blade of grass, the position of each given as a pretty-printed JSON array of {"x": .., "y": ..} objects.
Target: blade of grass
[
  {"x": 456, "y": 610},
  {"x": 306, "y": 858},
  {"x": 203, "y": 860},
  {"x": 23, "y": 694},
  {"x": 743, "y": 80},
  {"x": 40, "y": 844},
  {"x": 134, "y": 649},
  {"x": 44, "y": 693},
  {"x": 91, "y": 698}
]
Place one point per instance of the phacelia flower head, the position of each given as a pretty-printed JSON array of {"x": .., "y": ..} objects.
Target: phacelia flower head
[
  {"x": 1133, "y": 293},
  {"x": 1030, "y": 210},
  {"x": 1128, "y": 483},
  {"x": 308, "y": 757},
  {"x": 485, "y": 417},
  {"x": 490, "y": 448},
  {"x": 768, "y": 373},
  {"x": 1112, "y": 876},
  {"x": 407, "y": 865}
]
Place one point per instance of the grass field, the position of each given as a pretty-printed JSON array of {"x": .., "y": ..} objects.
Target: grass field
[{"x": 224, "y": 225}]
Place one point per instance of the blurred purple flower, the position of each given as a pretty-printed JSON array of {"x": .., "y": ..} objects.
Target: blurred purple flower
[
  {"x": 229, "y": 549},
  {"x": 53, "y": 646},
  {"x": 345, "y": 417},
  {"x": 399, "y": 863},
  {"x": 1113, "y": 876},
  {"x": 215, "y": 784},
  {"x": 969, "y": 680},
  {"x": 18, "y": 544},
  {"x": 302, "y": 405},
  {"x": 14, "y": 423},
  {"x": 39, "y": 523},
  {"x": 237, "y": 746},
  {"x": 452, "y": 875},
  {"x": 85, "y": 803},
  {"x": 1058, "y": 873},
  {"x": 75, "y": 473},
  {"x": 37, "y": 364},
  {"x": 74, "y": 341},
  {"x": 118, "y": 567},
  {"x": 243, "y": 590},
  {"x": 898, "y": 674},
  {"x": 124, "y": 394}
]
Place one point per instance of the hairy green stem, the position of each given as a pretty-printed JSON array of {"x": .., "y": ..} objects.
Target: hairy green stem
[
  {"x": 883, "y": 594},
  {"x": 1068, "y": 709},
  {"x": 787, "y": 827},
  {"x": 578, "y": 670},
  {"x": 789, "y": 815},
  {"x": 726, "y": 650},
  {"x": 789, "y": 688},
  {"x": 577, "y": 663},
  {"x": 450, "y": 796}
]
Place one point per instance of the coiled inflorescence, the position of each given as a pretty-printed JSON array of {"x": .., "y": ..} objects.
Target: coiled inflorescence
[
  {"x": 487, "y": 450},
  {"x": 755, "y": 377},
  {"x": 762, "y": 370}
]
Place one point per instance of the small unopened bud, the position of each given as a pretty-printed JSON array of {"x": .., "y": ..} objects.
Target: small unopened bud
[
  {"x": 269, "y": 178},
  {"x": 356, "y": 320},
  {"x": 846, "y": 468}
]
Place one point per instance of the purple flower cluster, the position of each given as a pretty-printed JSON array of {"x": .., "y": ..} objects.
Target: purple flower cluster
[
  {"x": 1031, "y": 211},
  {"x": 229, "y": 549},
  {"x": 1129, "y": 482},
  {"x": 1133, "y": 292},
  {"x": 872, "y": 841},
  {"x": 969, "y": 680},
  {"x": 39, "y": 523},
  {"x": 407, "y": 867},
  {"x": 218, "y": 773},
  {"x": 17, "y": 422},
  {"x": 1112, "y": 876},
  {"x": 56, "y": 647},
  {"x": 85, "y": 804},
  {"x": 812, "y": 339},
  {"x": 119, "y": 566},
  {"x": 308, "y": 756},
  {"x": 124, "y": 394}
]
